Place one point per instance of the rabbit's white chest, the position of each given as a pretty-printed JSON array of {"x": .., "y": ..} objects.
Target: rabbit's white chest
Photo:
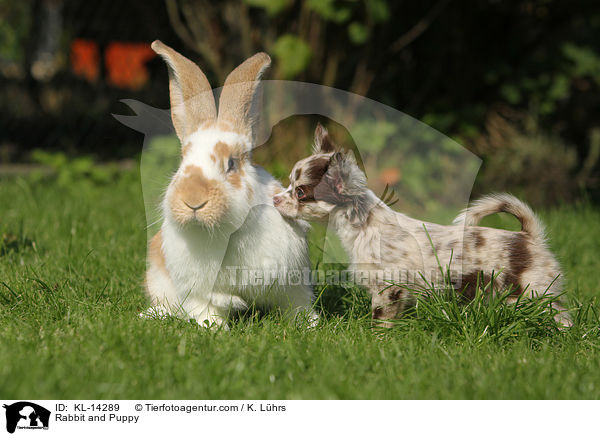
[
  {"x": 193, "y": 262},
  {"x": 242, "y": 264}
]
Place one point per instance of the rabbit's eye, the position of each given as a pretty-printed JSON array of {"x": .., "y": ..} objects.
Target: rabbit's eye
[
  {"x": 300, "y": 194},
  {"x": 231, "y": 164}
]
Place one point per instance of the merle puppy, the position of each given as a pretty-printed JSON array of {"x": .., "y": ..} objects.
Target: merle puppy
[{"x": 380, "y": 241}]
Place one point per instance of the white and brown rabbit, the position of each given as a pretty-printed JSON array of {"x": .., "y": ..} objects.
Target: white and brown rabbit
[{"x": 222, "y": 245}]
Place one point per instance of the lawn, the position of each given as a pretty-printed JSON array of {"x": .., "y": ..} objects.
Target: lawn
[{"x": 71, "y": 266}]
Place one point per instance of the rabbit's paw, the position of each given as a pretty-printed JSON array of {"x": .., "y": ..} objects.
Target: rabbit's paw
[
  {"x": 211, "y": 319},
  {"x": 155, "y": 312}
]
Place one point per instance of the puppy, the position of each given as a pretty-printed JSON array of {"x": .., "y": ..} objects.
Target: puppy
[{"x": 380, "y": 241}]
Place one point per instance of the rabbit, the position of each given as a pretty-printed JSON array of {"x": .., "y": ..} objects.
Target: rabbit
[{"x": 222, "y": 246}]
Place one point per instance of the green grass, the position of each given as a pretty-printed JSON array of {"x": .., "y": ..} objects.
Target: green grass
[{"x": 71, "y": 268}]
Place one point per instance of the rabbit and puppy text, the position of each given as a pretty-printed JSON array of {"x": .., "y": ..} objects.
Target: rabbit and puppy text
[
  {"x": 329, "y": 184},
  {"x": 218, "y": 214}
]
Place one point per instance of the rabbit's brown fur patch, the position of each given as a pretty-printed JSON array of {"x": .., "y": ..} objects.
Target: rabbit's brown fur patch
[
  {"x": 155, "y": 254},
  {"x": 194, "y": 189}
]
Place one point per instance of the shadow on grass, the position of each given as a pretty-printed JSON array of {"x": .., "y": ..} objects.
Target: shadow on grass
[
  {"x": 448, "y": 316},
  {"x": 15, "y": 243}
]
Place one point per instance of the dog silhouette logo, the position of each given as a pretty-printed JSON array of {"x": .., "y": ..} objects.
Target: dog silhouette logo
[{"x": 26, "y": 415}]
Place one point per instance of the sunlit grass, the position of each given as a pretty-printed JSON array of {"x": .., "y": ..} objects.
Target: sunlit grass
[{"x": 71, "y": 268}]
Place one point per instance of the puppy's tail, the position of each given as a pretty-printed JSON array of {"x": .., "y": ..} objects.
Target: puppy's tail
[{"x": 495, "y": 203}]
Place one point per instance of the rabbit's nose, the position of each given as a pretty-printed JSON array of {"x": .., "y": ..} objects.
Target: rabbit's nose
[
  {"x": 276, "y": 200},
  {"x": 195, "y": 208}
]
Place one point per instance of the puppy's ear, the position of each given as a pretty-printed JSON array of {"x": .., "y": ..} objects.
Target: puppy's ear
[
  {"x": 345, "y": 177},
  {"x": 343, "y": 182},
  {"x": 323, "y": 143},
  {"x": 348, "y": 185},
  {"x": 337, "y": 174}
]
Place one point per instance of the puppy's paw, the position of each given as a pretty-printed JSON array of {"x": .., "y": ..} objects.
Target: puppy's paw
[
  {"x": 308, "y": 318},
  {"x": 313, "y": 318}
]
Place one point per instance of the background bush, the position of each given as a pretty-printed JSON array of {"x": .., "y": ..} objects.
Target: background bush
[{"x": 454, "y": 65}]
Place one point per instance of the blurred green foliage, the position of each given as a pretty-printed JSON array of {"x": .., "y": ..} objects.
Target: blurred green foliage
[
  {"x": 68, "y": 172},
  {"x": 454, "y": 65},
  {"x": 373, "y": 135},
  {"x": 586, "y": 62},
  {"x": 272, "y": 7},
  {"x": 293, "y": 55},
  {"x": 15, "y": 23},
  {"x": 331, "y": 10}
]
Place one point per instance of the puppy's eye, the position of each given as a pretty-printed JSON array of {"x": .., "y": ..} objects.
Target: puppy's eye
[
  {"x": 231, "y": 164},
  {"x": 300, "y": 194}
]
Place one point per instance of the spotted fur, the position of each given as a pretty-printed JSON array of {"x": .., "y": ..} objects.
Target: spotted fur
[{"x": 378, "y": 238}]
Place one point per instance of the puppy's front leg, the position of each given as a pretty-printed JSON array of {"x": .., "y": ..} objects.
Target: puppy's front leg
[{"x": 387, "y": 303}]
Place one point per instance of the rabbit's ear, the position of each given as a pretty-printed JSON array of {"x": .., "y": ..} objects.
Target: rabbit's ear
[
  {"x": 237, "y": 96},
  {"x": 192, "y": 99}
]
